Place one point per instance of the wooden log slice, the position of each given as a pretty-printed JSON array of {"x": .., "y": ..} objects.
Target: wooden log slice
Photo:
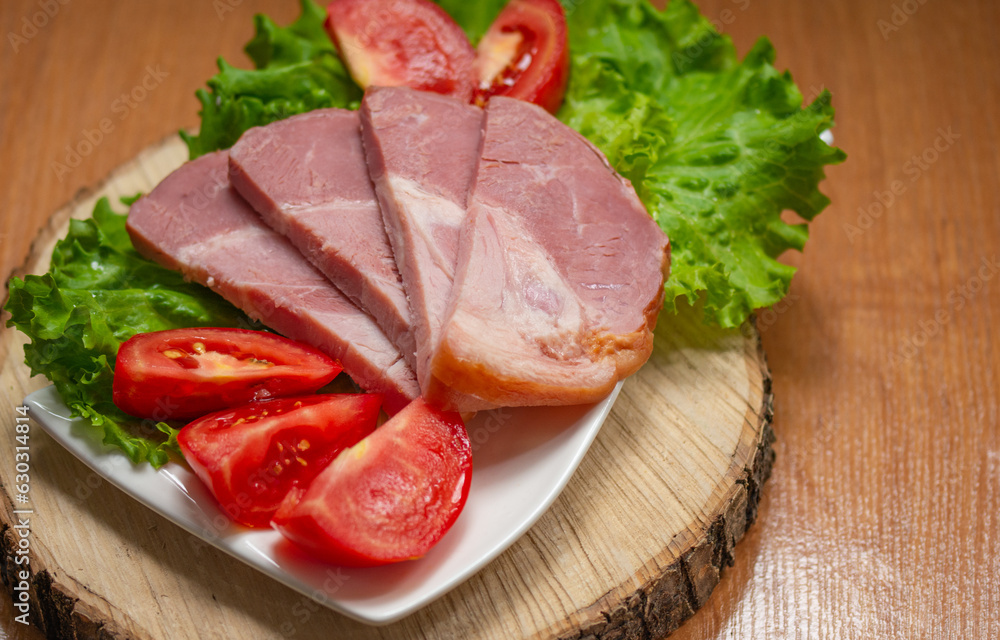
[{"x": 633, "y": 546}]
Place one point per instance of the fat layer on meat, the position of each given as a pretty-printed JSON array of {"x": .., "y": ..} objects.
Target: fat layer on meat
[
  {"x": 559, "y": 275},
  {"x": 422, "y": 151}
]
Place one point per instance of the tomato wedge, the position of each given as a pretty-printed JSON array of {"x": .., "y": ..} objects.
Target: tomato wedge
[
  {"x": 525, "y": 55},
  {"x": 252, "y": 456},
  {"x": 412, "y": 43},
  {"x": 391, "y": 497},
  {"x": 186, "y": 373}
]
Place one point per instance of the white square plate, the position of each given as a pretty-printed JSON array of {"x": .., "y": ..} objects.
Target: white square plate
[{"x": 522, "y": 459}]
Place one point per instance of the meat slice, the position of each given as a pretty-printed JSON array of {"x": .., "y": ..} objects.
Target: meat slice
[
  {"x": 307, "y": 178},
  {"x": 194, "y": 222},
  {"x": 560, "y": 272},
  {"x": 422, "y": 150}
]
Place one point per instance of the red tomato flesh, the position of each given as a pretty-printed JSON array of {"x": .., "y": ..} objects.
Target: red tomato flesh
[
  {"x": 412, "y": 43},
  {"x": 252, "y": 456},
  {"x": 525, "y": 55},
  {"x": 186, "y": 373},
  {"x": 391, "y": 497}
]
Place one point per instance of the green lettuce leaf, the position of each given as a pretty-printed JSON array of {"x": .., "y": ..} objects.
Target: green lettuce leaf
[
  {"x": 297, "y": 70},
  {"x": 98, "y": 293},
  {"x": 717, "y": 147}
]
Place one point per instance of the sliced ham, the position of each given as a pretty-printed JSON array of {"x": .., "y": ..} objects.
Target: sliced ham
[
  {"x": 422, "y": 151},
  {"x": 559, "y": 275},
  {"x": 196, "y": 223},
  {"x": 307, "y": 178}
]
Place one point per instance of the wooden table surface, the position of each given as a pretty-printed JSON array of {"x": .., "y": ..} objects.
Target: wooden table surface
[{"x": 882, "y": 516}]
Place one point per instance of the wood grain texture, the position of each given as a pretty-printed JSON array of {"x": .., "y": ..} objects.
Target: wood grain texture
[
  {"x": 634, "y": 546},
  {"x": 880, "y": 519}
]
